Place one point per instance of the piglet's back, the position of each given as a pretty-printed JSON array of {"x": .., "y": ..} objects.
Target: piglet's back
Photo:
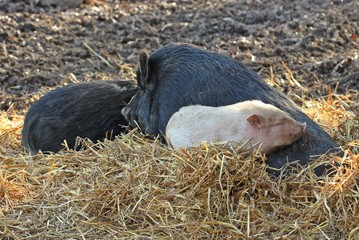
[{"x": 243, "y": 121}]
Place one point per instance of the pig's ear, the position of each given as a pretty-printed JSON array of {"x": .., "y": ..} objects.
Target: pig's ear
[
  {"x": 142, "y": 72},
  {"x": 256, "y": 121}
]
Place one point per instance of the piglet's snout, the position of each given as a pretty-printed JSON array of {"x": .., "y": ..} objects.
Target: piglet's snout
[{"x": 299, "y": 131}]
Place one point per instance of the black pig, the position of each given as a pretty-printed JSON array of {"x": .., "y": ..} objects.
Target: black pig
[
  {"x": 179, "y": 75},
  {"x": 91, "y": 110}
]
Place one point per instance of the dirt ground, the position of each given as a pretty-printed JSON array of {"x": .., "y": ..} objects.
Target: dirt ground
[{"x": 307, "y": 49}]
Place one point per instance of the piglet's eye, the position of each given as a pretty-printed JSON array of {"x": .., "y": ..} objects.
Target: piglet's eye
[{"x": 278, "y": 123}]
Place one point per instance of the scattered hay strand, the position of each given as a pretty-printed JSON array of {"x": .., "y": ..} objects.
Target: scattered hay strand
[{"x": 97, "y": 55}]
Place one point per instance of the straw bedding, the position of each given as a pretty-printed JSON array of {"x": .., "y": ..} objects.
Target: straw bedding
[{"x": 137, "y": 188}]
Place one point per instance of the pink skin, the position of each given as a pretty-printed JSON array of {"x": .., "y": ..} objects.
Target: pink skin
[
  {"x": 252, "y": 121},
  {"x": 275, "y": 134}
]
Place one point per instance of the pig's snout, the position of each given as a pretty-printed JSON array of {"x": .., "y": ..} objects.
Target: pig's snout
[{"x": 125, "y": 111}]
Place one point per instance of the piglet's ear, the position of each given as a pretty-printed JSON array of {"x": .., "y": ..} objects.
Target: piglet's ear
[
  {"x": 142, "y": 71},
  {"x": 256, "y": 121}
]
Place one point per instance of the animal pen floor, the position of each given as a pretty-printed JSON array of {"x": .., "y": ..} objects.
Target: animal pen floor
[{"x": 136, "y": 188}]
